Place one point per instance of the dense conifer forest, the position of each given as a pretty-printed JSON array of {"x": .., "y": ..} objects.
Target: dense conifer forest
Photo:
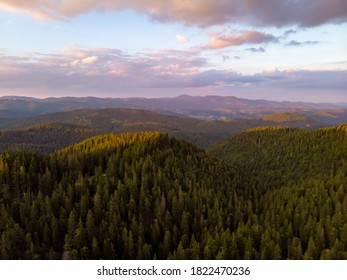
[{"x": 267, "y": 193}]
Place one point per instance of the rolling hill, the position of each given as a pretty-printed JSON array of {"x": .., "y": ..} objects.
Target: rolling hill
[
  {"x": 45, "y": 137},
  {"x": 297, "y": 180},
  {"x": 200, "y": 107},
  {"x": 113, "y": 197},
  {"x": 35, "y": 132}
]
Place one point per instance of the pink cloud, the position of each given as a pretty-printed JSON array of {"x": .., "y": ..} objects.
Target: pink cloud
[
  {"x": 89, "y": 60},
  {"x": 181, "y": 39},
  {"x": 109, "y": 68},
  {"x": 117, "y": 71},
  {"x": 198, "y": 12},
  {"x": 251, "y": 37}
]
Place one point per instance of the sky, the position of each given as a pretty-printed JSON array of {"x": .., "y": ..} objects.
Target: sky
[{"x": 292, "y": 50}]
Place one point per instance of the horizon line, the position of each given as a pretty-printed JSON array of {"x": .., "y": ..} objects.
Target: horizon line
[{"x": 168, "y": 97}]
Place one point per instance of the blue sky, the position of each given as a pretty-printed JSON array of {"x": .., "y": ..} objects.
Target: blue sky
[{"x": 259, "y": 49}]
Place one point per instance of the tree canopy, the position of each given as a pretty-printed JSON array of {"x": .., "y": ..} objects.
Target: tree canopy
[{"x": 270, "y": 193}]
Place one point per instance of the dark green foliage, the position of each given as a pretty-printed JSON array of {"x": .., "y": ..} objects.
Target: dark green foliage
[
  {"x": 130, "y": 196},
  {"x": 280, "y": 194},
  {"x": 297, "y": 183},
  {"x": 45, "y": 138}
]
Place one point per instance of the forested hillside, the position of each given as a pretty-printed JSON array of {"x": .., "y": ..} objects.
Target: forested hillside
[
  {"x": 297, "y": 183},
  {"x": 279, "y": 193},
  {"x": 45, "y": 138},
  {"x": 274, "y": 156},
  {"x": 49, "y": 132},
  {"x": 131, "y": 196}
]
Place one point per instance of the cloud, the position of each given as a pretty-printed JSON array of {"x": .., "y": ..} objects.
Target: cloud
[
  {"x": 250, "y": 37},
  {"x": 117, "y": 71},
  {"x": 181, "y": 39},
  {"x": 288, "y": 32},
  {"x": 304, "y": 79},
  {"x": 89, "y": 60},
  {"x": 236, "y": 57},
  {"x": 254, "y": 50},
  {"x": 225, "y": 58},
  {"x": 84, "y": 61},
  {"x": 204, "y": 13},
  {"x": 73, "y": 69},
  {"x": 294, "y": 43}
]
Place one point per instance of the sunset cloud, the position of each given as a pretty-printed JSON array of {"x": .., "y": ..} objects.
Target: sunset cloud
[
  {"x": 113, "y": 69},
  {"x": 251, "y": 37},
  {"x": 181, "y": 39},
  {"x": 89, "y": 60},
  {"x": 204, "y": 13},
  {"x": 116, "y": 71},
  {"x": 124, "y": 46}
]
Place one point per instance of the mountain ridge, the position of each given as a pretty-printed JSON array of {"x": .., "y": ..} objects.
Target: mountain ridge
[{"x": 210, "y": 107}]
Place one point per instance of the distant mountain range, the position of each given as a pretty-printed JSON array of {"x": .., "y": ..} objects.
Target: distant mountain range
[{"x": 200, "y": 107}]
